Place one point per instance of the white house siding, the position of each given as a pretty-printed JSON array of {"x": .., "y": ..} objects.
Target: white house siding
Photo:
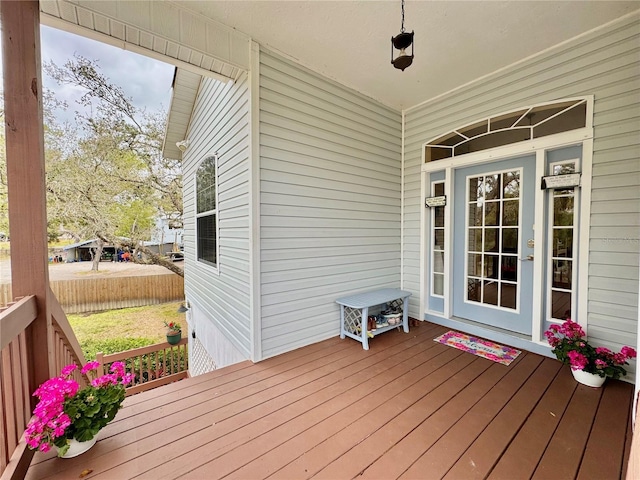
[
  {"x": 220, "y": 124},
  {"x": 604, "y": 63},
  {"x": 330, "y": 162}
]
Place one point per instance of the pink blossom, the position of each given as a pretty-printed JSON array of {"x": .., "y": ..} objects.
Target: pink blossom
[
  {"x": 601, "y": 363},
  {"x": 603, "y": 351},
  {"x": 628, "y": 352},
  {"x": 66, "y": 371},
  {"x": 578, "y": 360},
  {"x": 118, "y": 368},
  {"x": 90, "y": 366}
]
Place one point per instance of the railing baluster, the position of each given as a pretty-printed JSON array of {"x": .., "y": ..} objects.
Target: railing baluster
[
  {"x": 9, "y": 404},
  {"x": 16, "y": 371},
  {"x": 168, "y": 367}
]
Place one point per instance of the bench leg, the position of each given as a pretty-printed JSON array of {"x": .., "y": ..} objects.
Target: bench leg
[
  {"x": 342, "y": 330},
  {"x": 405, "y": 314},
  {"x": 363, "y": 327}
]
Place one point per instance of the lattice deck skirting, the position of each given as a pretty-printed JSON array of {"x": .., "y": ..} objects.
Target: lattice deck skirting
[{"x": 200, "y": 361}]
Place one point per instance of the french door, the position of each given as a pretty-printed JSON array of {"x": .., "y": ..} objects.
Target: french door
[{"x": 493, "y": 232}]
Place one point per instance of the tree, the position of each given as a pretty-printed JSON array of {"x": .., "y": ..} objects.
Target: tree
[{"x": 109, "y": 179}]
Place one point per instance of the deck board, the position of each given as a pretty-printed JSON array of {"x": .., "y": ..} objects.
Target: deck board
[{"x": 407, "y": 408}]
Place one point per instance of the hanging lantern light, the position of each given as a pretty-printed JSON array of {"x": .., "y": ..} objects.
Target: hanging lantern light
[{"x": 401, "y": 42}]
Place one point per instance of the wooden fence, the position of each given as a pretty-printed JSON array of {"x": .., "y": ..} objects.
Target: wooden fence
[{"x": 107, "y": 293}]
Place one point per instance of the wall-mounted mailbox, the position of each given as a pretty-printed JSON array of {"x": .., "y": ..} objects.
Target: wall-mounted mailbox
[
  {"x": 569, "y": 180},
  {"x": 440, "y": 201}
]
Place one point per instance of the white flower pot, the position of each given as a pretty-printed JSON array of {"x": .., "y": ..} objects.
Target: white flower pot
[
  {"x": 77, "y": 448},
  {"x": 589, "y": 379}
]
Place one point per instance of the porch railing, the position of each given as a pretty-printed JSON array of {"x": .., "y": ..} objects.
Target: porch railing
[
  {"x": 16, "y": 373},
  {"x": 152, "y": 366}
]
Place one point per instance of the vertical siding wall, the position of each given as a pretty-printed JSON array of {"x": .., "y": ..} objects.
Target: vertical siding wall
[
  {"x": 330, "y": 201},
  {"x": 220, "y": 123},
  {"x": 604, "y": 63}
]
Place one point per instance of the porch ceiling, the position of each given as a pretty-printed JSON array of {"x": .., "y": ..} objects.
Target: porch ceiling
[
  {"x": 407, "y": 406},
  {"x": 455, "y": 43}
]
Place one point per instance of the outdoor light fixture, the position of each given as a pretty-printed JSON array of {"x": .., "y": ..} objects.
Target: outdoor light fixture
[
  {"x": 183, "y": 145},
  {"x": 401, "y": 42},
  {"x": 183, "y": 308}
]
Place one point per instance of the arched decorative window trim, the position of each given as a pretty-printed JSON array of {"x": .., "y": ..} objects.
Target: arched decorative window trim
[{"x": 449, "y": 149}]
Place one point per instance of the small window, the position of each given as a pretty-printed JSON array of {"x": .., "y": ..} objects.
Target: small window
[
  {"x": 207, "y": 211},
  {"x": 437, "y": 243}
]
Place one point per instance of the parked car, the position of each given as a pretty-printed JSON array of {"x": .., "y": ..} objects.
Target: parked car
[{"x": 176, "y": 256}]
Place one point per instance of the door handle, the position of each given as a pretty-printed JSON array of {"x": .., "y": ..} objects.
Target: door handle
[{"x": 528, "y": 258}]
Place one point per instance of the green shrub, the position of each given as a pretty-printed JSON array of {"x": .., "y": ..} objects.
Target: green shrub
[{"x": 113, "y": 345}]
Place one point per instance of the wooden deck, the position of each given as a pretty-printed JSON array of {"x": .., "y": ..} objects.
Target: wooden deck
[{"x": 407, "y": 408}]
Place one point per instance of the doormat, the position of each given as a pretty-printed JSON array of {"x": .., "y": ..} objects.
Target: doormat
[{"x": 479, "y": 346}]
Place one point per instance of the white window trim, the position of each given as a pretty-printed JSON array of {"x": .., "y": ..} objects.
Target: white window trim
[{"x": 215, "y": 268}]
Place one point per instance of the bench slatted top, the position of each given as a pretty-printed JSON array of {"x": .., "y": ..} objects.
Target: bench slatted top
[{"x": 376, "y": 297}]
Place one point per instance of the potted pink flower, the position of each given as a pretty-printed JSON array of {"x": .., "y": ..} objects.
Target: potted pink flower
[
  {"x": 68, "y": 416},
  {"x": 571, "y": 348}
]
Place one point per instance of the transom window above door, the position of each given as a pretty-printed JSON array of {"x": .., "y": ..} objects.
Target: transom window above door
[{"x": 507, "y": 128}]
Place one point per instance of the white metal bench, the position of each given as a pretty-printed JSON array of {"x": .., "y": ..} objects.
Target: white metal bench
[{"x": 354, "y": 312}]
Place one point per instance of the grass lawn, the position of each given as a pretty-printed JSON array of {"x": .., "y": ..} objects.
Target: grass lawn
[{"x": 118, "y": 330}]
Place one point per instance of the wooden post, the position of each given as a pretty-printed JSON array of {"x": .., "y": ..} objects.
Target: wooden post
[{"x": 20, "y": 23}]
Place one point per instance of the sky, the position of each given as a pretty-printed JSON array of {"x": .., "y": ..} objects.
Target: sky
[{"x": 146, "y": 81}]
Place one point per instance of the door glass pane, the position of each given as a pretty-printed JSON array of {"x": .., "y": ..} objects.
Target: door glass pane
[
  {"x": 511, "y": 185},
  {"x": 491, "y": 213},
  {"x": 492, "y": 187},
  {"x": 438, "y": 239},
  {"x": 509, "y": 240},
  {"x": 563, "y": 211},
  {"x": 438, "y": 284},
  {"x": 438, "y": 220},
  {"x": 475, "y": 188},
  {"x": 438, "y": 262},
  {"x": 474, "y": 268},
  {"x": 475, "y": 240},
  {"x": 563, "y": 242},
  {"x": 490, "y": 296},
  {"x": 491, "y": 236},
  {"x": 562, "y": 274},
  {"x": 510, "y": 213},
  {"x": 508, "y": 295},
  {"x": 509, "y": 268},
  {"x": 560, "y": 305},
  {"x": 474, "y": 292},
  {"x": 475, "y": 215},
  {"x": 491, "y": 266}
]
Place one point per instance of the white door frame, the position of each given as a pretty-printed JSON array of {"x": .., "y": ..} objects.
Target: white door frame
[{"x": 583, "y": 136}]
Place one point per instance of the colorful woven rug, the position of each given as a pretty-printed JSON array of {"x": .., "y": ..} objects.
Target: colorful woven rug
[{"x": 479, "y": 346}]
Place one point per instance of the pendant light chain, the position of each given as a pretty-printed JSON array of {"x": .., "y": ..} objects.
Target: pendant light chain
[{"x": 402, "y": 29}]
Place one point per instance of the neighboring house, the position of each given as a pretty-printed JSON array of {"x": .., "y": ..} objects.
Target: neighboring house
[
  {"x": 83, "y": 251},
  {"x": 299, "y": 190},
  {"x": 167, "y": 232}
]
